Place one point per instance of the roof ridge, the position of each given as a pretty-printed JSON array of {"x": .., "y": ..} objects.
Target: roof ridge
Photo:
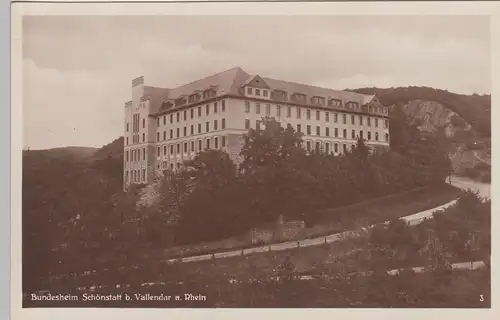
[{"x": 199, "y": 80}]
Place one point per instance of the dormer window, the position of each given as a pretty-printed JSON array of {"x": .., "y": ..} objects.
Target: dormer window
[
  {"x": 370, "y": 109},
  {"x": 279, "y": 95},
  {"x": 335, "y": 102},
  {"x": 299, "y": 97},
  {"x": 180, "y": 101},
  {"x": 209, "y": 93},
  {"x": 318, "y": 100},
  {"x": 257, "y": 92},
  {"x": 265, "y": 93},
  {"x": 249, "y": 91},
  {"x": 194, "y": 97}
]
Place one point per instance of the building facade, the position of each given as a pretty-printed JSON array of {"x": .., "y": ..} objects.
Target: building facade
[{"x": 165, "y": 127}]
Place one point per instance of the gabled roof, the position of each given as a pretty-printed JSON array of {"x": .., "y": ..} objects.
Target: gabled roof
[{"x": 232, "y": 80}]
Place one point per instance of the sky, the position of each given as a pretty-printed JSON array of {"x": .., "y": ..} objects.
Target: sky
[{"x": 77, "y": 71}]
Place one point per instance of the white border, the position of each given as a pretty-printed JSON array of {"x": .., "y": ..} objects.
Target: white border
[{"x": 387, "y": 8}]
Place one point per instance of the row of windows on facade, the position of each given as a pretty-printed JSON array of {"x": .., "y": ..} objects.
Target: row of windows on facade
[
  {"x": 325, "y": 147},
  {"x": 327, "y": 131},
  {"x": 318, "y": 115},
  {"x": 135, "y": 176},
  {"x": 192, "y": 146},
  {"x": 191, "y": 113},
  {"x": 136, "y": 117},
  {"x": 215, "y": 127},
  {"x": 136, "y": 154}
]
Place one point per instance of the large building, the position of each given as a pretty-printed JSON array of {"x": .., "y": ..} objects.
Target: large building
[{"x": 164, "y": 127}]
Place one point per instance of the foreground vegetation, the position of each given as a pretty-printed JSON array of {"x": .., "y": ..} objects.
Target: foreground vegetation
[{"x": 352, "y": 273}]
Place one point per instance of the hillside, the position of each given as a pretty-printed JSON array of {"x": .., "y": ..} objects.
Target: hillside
[{"x": 474, "y": 109}]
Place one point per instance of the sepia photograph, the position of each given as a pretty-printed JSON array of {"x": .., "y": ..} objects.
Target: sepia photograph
[{"x": 256, "y": 161}]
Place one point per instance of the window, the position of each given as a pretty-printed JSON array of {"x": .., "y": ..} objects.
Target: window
[
  {"x": 298, "y": 113},
  {"x": 223, "y": 124},
  {"x": 216, "y": 143},
  {"x": 192, "y": 129},
  {"x": 192, "y": 113},
  {"x": 171, "y": 166},
  {"x": 386, "y": 137},
  {"x": 278, "y": 111},
  {"x": 344, "y": 133},
  {"x": 369, "y": 134},
  {"x": 215, "y": 107},
  {"x": 344, "y": 147},
  {"x": 308, "y": 130},
  {"x": 158, "y": 151},
  {"x": 376, "y": 136},
  {"x": 126, "y": 142},
  {"x": 164, "y": 135},
  {"x": 376, "y": 122},
  {"x": 177, "y": 116},
  {"x": 368, "y": 120},
  {"x": 185, "y": 147},
  {"x": 247, "y": 124},
  {"x": 178, "y": 148},
  {"x": 215, "y": 125},
  {"x": 223, "y": 105},
  {"x": 360, "y": 120},
  {"x": 327, "y": 116},
  {"x": 171, "y": 133},
  {"x": 299, "y": 129},
  {"x": 361, "y": 134},
  {"x": 308, "y": 145},
  {"x": 126, "y": 156},
  {"x": 178, "y": 132},
  {"x": 257, "y": 108},
  {"x": 308, "y": 114},
  {"x": 352, "y": 119},
  {"x": 249, "y": 91},
  {"x": 318, "y": 133},
  {"x": 265, "y": 93},
  {"x": 386, "y": 123},
  {"x": 199, "y": 145},
  {"x": 192, "y": 145},
  {"x": 327, "y": 147},
  {"x": 207, "y": 108},
  {"x": 208, "y": 143},
  {"x": 327, "y": 131},
  {"x": 143, "y": 137},
  {"x": 335, "y": 118},
  {"x": 171, "y": 149},
  {"x": 336, "y": 147},
  {"x": 199, "y": 127},
  {"x": 185, "y": 131},
  {"x": 157, "y": 136},
  {"x": 317, "y": 115},
  {"x": 318, "y": 146},
  {"x": 257, "y": 125},
  {"x": 171, "y": 119},
  {"x": 223, "y": 142},
  {"x": 257, "y": 92},
  {"x": 247, "y": 107},
  {"x": 143, "y": 174},
  {"x": 199, "y": 112},
  {"x": 157, "y": 123},
  {"x": 165, "y": 150},
  {"x": 289, "y": 112},
  {"x": 353, "y": 134},
  {"x": 336, "y": 132},
  {"x": 185, "y": 115},
  {"x": 344, "y": 118},
  {"x": 207, "y": 126},
  {"x": 268, "y": 109}
]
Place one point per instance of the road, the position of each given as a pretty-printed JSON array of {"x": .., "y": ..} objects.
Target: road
[{"x": 463, "y": 183}]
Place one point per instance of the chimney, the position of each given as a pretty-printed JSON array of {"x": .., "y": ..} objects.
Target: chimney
[{"x": 138, "y": 81}]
